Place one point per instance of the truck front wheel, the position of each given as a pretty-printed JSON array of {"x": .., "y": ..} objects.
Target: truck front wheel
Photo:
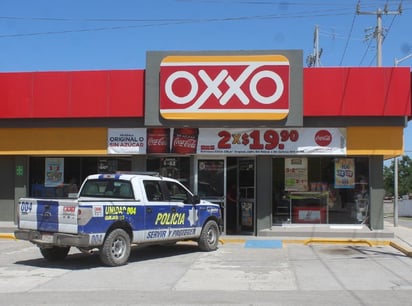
[
  {"x": 115, "y": 250},
  {"x": 54, "y": 253},
  {"x": 209, "y": 238}
]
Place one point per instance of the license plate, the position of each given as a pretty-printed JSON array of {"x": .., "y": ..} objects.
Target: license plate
[{"x": 47, "y": 238}]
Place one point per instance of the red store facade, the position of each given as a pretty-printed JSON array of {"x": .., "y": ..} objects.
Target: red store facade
[{"x": 273, "y": 142}]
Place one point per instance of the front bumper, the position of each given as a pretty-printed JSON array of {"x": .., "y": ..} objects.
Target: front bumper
[{"x": 53, "y": 239}]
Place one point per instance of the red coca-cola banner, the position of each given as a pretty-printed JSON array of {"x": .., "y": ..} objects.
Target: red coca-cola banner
[
  {"x": 185, "y": 140},
  {"x": 158, "y": 140}
]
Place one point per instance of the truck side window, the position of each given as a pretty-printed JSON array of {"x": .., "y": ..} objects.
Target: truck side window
[
  {"x": 125, "y": 191},
  {"x": 153, "y": 191},
  {"x": 108, "y": 188},
  {"x": 91, "y": 189},
  {"x": 176, "y": 192}
]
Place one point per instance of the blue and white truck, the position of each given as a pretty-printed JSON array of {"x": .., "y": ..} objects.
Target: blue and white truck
[{"x": 113, "y": 212}]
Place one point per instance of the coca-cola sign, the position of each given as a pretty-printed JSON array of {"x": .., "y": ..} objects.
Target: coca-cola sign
[
  {"x": 185, "y": 143},
  {"x": 323, "y": 138},
  {"x": 185, "y": 140},
  {"x": 243, "y": 87},
  {"x": 157, "y": 141}
]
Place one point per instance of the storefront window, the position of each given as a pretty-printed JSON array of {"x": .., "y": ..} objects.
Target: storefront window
[
  {"x": 61, "y": 177},
  {"x": 174, "y": 167},
  {"x": 331, "y": 190},
  {"x": 210, "y": 183}
]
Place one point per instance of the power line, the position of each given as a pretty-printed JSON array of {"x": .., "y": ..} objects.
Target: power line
[
  {"x": 366, "y": 52},
  {"x": 347, "y": 41},
  {"x": 328, "y": 9},
  {"x": 390, "y": 26},
  {"x": 86, "y": 30},
  {"x": 159, "y": 22},
  {"x": 300, "y": 14}
]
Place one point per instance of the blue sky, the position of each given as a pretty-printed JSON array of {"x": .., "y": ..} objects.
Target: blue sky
[{"x": 50, "y": 35}]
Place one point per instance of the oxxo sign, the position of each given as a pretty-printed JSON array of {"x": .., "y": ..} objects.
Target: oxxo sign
[{"x": 252, "y": 87}]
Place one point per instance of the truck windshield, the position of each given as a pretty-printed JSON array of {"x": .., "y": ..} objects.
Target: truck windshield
[{"x": 107, "y": 188}]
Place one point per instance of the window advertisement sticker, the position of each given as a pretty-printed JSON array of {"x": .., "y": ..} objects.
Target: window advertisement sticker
[
  {"x": 272, "y": 141},
  {"x": 126, "y": 141},
  {"x": 54, "y": 172}
]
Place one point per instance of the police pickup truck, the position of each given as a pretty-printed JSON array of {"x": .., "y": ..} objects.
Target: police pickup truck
[{"x": 114, "y": 211}]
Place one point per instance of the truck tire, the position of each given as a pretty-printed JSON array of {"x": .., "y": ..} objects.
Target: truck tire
[
  {"x": 209, "y": 237},
  {"x": 115, "y": 250},
  {"x": 54, "y": 253}
]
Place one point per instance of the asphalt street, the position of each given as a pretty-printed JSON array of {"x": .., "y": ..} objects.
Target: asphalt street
[
  {"x": 249, "y": 272},
  {"x": 243, "y": 271}
]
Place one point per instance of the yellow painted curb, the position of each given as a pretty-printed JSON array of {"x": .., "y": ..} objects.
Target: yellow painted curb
[
  {"x": 401, "y": 248},
  {"x": 7, "y": 236},
  {"x": 339, "y": 241},
  {"x": 380, "y": 242},
  {"x": 286, "y": 241},
  {"x": 232, "y": 240}
]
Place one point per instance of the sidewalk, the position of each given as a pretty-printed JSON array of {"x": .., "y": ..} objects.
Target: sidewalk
[
  {"x": 399, "y": 237},
  {"x": 7, "y": 230},
  {"x": 402, "y": 238}
]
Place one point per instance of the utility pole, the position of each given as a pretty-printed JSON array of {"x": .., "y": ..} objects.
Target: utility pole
[
  {"x": 379, "y": 31},
  {"x": 378, "y": 34},
  {"x": 317, "y": 53},
  {"x": 313, "y": 60}
]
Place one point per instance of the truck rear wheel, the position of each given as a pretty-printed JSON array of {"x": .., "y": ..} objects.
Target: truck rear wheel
[
  {"x": 54, "y": 253},
  {"x": 115, "y": 250},
  {"x": 209, "y": 238}
]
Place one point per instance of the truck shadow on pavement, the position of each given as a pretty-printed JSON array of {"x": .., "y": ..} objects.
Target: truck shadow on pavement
[{"x": 77, "y": 260}]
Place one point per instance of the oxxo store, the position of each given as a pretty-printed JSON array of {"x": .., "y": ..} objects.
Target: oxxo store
[{"x": 274, "y": 143}]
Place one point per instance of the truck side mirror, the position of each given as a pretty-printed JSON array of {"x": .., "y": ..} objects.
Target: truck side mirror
[{"x": 195, "y": 199}]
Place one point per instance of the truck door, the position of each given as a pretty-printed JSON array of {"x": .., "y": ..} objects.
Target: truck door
[
  {"x": 157, "y": 212},
  {"x": 184, "y": 214}
]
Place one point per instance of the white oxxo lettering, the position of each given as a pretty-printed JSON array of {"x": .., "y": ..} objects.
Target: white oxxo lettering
[{"x": 234, "y": 87}]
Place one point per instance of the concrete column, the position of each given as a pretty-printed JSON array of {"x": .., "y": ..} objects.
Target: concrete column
[
  {"x": 263, "y": 193},
  {"x": 376, "y": 192}
]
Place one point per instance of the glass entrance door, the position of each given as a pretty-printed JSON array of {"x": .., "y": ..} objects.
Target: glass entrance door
[
  {"x": 246, "y": 178},
  {"x": 229, "y": 182},
  {"x": 210, "y": 182}
]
